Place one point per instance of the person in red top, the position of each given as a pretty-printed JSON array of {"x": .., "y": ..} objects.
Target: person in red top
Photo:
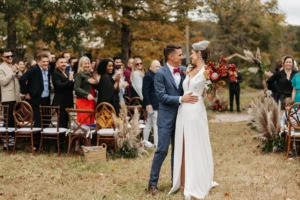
[
  {"x": 127, "y": 74},
  {"x": 84, "y": 87}
]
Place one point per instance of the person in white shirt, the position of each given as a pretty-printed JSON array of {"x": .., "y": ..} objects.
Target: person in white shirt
[{"x": 136, "y": 78}]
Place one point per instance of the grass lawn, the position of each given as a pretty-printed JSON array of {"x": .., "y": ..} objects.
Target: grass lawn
[{"x": 241, "y": 169}]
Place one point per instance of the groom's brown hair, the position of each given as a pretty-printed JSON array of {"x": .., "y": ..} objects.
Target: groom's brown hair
[{"x": 170, "y": 48}]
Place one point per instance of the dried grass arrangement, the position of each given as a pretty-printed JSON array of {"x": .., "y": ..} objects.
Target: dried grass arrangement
[
  {"x": 127, "y": 142},
  {"x": 266, "y": 114}
]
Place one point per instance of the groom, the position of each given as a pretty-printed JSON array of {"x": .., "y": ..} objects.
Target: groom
[{"x": 168, "y": 87}]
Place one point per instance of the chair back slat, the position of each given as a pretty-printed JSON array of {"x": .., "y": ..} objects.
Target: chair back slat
[
  {"x": 23, "y": 115},
  {"x": 127, "y": 100},
  {"x": 136, "y": 101},
  {"x": 50, "y": 117},
  {"x": 294, "y": 116},
  {"x": 4, "y": 115},
  {"x": 76, "y": 126},
  {"x": 130, "y": 110},
  {"x": 104, "y": 115}
]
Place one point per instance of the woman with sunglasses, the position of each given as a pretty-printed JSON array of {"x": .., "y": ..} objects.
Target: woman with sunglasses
[{"x": 136, "y": 78}]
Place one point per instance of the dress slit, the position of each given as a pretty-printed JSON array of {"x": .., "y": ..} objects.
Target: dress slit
[{"x": 182, "y": 169}]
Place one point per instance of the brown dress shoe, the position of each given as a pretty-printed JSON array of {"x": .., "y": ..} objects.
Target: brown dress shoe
[{"x": 153, "y": 189}]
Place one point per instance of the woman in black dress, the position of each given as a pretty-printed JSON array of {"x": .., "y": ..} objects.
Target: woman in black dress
[
  {"x": 108, "y": 88},
  {"x": 283, "y": 80}
]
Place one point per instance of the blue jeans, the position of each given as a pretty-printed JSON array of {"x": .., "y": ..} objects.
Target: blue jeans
[{"x": 165, "y": 135}]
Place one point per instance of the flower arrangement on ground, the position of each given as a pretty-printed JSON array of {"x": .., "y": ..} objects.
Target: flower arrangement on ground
[
  {"x": 127, "y": 137},
  {"x": 266, "y": 121},
  {"x": 220, "y": 105},
  {"x": 218, "y": 73}
]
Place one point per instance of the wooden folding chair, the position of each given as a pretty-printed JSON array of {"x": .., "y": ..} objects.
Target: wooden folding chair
[
  {"x": 127, "y": 100},
  {"x": 136, "y": 101},
  {"x": 105, "y": 127},
  {"x": 4, "y": 129},
  {"x": 82, "y": 129},
  {"x": 50, "y": 118},
  {"x": 293, "y": 134},
  {"x": 23, "y": 115}
]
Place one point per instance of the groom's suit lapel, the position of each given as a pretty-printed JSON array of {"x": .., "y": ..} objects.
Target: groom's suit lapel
[{"x": 169, "y": 75}]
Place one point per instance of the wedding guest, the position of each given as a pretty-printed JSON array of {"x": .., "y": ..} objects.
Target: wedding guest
[
  {"x": 136, "y": 78},
  {"x": 272, "y": 86},
  {"x": 234, "y": 91},
  {"x": 84, "y": 86},
  {"x": 63, "y": 90},
  {"x": 21, "y": 67},
  {"x": 284, "y": 117},
  {"x": 123, "y": 84},
  {"x": 278, "y": 67},
  {"x": 150, "y": 101},
  {"x": 127, "y": 74},
  {"x": 72, "y": 61},
  {"x": 283, "y": 80},
  {"x": 93, "y": 65},
  {"x": 30, "y": 63},
  {"x": 75, "y": 68},
  {"x": 53, "y": 57},
  {"x": 67, "y": 56},
  {"x": 108, "y": 88},
  {"x": 117, "y": 62},
  {"x": 10, "y": 88},
  {"x": 35, "y": 85},
  {"x": 296, "y": 87}
]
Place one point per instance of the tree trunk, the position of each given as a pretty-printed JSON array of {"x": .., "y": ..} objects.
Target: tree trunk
[
  {"x": 126, "y": 34},
  {"x": 11, "y": 33}
]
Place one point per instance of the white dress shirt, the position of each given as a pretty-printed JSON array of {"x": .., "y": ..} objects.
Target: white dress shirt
[{"x": 176, "y": 76}]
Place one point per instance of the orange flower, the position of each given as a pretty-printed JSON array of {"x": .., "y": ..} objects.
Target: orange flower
[
  {"x": 222, "y": 83},
  {"x": 223, "y": 74},
  {"x": 206, "y": 74}
]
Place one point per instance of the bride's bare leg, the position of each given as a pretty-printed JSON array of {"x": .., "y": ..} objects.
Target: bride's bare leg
[{"x": 182, "y": 177}]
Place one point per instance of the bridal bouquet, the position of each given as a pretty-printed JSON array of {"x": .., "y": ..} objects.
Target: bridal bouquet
[{"x": 218, "y": 73}]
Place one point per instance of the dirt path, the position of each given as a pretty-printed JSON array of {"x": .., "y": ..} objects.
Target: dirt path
[{"x": 230, "y": 118}]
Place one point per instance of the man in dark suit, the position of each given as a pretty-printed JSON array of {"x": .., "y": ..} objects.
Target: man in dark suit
[
  {"x": 35, "y": 85},
  {"x": 234, "y": 90},
  {"x": 150, "y": 101},
  {"x": 63, "y": 90},
  {"x": 168, "y": 87}
]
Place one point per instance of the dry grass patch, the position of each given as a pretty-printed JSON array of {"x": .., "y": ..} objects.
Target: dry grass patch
[{"x": 242, "y": 171}]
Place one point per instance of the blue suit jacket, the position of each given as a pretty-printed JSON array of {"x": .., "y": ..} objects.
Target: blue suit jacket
[{"x": 168, "y": 96}]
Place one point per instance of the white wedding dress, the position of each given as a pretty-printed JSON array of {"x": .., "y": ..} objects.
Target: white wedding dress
[{"x": 192, "y": 125}]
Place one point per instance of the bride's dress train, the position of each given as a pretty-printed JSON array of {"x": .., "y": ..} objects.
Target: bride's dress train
[{"x": 192, "y": 128}]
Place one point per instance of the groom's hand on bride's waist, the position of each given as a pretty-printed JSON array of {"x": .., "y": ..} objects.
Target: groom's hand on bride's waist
[{"x": 189, "y": 98}]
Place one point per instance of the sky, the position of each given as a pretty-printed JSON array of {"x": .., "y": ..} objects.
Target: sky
[{"x": 291, "y": 8}]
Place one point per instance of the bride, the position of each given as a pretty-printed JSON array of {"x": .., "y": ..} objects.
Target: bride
[{"x": 193, "y": 162}]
